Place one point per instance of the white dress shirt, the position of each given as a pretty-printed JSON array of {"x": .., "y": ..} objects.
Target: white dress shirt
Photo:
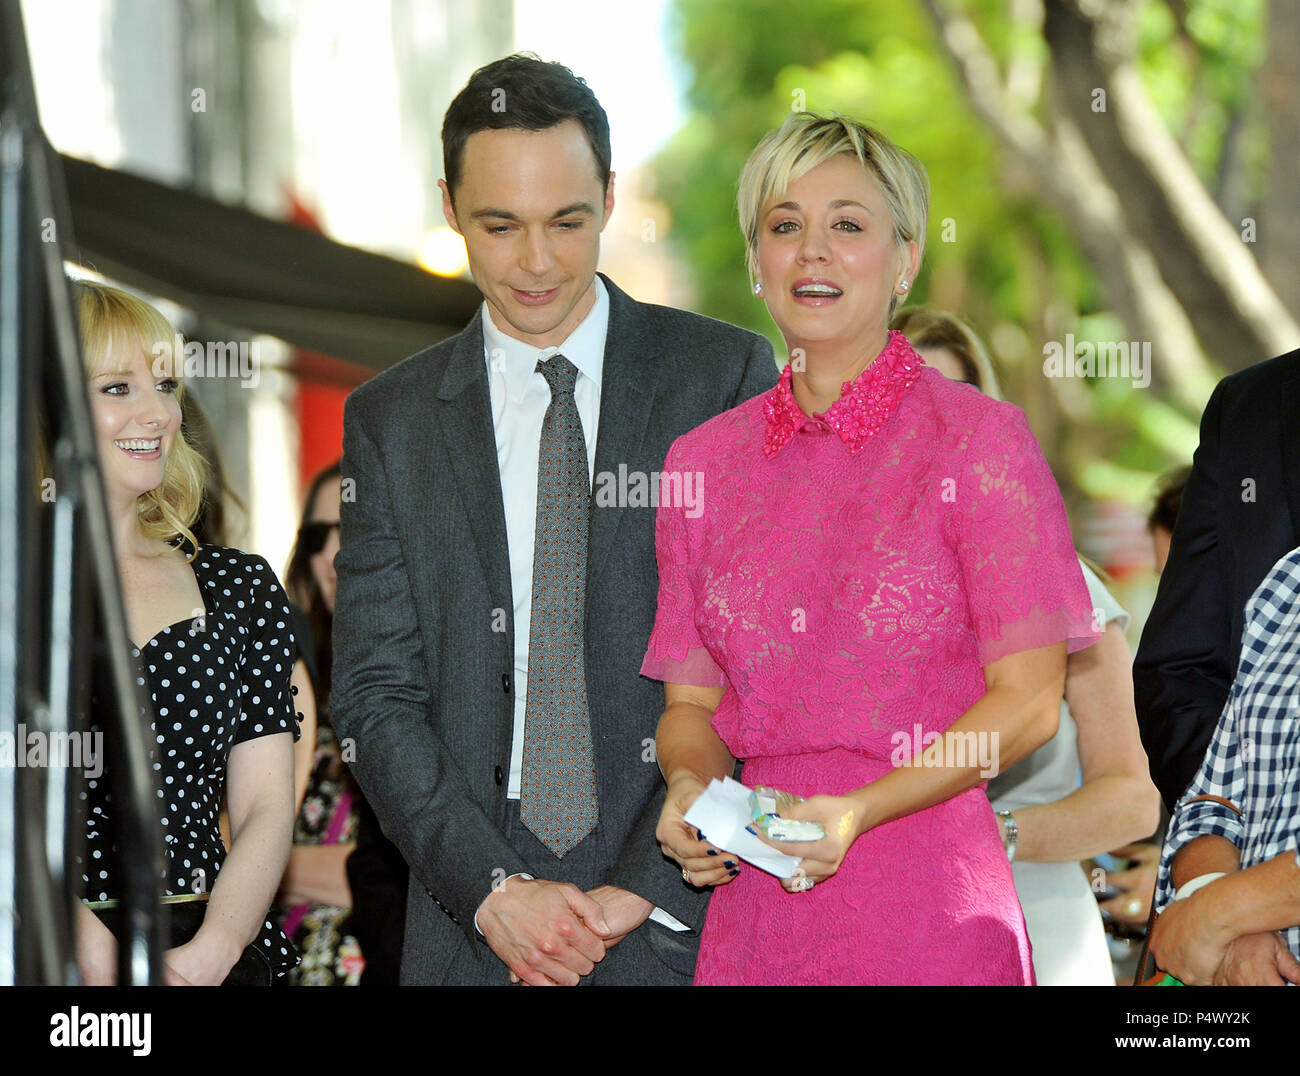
[{"x": 520, "y": 396}]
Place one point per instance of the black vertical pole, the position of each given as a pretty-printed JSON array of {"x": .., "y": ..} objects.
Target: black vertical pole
[{"x": 38, "y": 333}]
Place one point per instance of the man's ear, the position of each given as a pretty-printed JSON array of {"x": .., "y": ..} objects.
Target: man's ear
[
  {"x": 448, "y": 209},
  {"x": 609, "y": 201}
]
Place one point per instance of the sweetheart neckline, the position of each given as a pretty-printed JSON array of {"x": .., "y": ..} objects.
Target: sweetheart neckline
[{"x": 162, "y": 631}]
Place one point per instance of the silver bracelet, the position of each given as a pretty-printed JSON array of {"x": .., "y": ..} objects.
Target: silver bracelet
[{"x": 1010, "y": 834}]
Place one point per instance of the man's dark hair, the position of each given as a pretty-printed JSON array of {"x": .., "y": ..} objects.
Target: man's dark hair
[
  {"x": 525, "y": 93},
  {"x": 1168, "y": 499}
]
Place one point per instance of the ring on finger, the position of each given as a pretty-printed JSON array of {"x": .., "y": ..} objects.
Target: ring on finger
[{"x": 686, "y": 876}]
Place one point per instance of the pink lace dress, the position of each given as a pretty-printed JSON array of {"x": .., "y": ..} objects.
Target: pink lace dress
[{"x": 845, "y": 578}]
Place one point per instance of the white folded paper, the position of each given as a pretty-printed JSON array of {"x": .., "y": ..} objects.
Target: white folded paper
[{"x": 722, "y": 813}]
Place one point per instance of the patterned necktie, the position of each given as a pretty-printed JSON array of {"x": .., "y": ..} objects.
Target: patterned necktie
[{"x": 558, "y": 789}]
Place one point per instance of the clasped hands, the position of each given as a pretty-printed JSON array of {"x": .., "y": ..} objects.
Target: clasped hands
[
  {"x": 552, "y": 933},
  {"x": 843, "y": 817},
  {"x": 1186, "y": 944}
]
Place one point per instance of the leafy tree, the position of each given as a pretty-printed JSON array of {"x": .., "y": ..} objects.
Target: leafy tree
[{"x": 1100, "y": 169}]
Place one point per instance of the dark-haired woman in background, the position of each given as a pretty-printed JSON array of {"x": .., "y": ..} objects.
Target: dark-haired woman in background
[
  {"x": 359, "y": 868},
  {"x": 315, "y": 899}
]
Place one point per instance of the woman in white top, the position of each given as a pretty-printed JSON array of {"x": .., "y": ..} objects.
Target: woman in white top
[{"x": 1086, "y": 790}]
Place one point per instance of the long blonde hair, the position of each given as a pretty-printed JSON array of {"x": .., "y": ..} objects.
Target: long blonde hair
[{"x": 112, "y": 321}]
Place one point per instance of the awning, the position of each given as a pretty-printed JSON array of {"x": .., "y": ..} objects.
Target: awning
[{"x": 262, "y": 275}]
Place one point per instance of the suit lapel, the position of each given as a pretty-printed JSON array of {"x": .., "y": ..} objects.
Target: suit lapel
[
  {"x": 627, "y": 390},
  {"x": 464, "y": 421}
]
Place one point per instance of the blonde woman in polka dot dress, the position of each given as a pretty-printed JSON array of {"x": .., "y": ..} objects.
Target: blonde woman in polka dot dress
[{"x": 212, "y": 645}]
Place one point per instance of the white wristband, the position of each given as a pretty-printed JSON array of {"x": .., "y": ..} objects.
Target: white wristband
[
  {"x": 500, "y": 885},
  {"x": 1199, "y": 882}
]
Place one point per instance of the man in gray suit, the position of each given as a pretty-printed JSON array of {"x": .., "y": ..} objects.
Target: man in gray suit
[{"x": 497, "y": 577}]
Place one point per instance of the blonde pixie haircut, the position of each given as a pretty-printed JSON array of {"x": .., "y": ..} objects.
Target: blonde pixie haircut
[
  {"x": 113, "y": 323},
  {"x": 808, "y": 139}
]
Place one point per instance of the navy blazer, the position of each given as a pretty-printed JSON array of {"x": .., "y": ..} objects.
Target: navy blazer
[{"x": 1240, "y": 514}]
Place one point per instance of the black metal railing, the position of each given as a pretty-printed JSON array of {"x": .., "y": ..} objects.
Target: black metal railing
[{"x": 62, "y": 620}]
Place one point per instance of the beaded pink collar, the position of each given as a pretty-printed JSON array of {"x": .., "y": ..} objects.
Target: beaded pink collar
[{"x": 863, "y": 406}]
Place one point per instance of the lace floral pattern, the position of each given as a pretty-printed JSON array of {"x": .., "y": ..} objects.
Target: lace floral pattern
[{"x": 847, "y": 587}]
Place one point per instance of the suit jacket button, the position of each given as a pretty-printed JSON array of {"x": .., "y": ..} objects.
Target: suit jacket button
[
  {"x": 505, "y": 683},
  {"x": 498, "y": 775}
]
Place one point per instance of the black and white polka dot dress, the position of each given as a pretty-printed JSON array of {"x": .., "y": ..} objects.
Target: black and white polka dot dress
[{"x": 216, "y": 681}]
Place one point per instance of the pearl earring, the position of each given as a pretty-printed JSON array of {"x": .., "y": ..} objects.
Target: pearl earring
[
  {"x": 758, "y": 289},
  {"x": 904, "y": 285}
]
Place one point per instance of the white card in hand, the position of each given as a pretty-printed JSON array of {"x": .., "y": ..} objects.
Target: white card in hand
[{"x": 722, "y": 813}]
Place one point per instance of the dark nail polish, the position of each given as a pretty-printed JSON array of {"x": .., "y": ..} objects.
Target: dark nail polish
[
  {"x": 729, "y": 863},
  {"x": 751, "y": 829},
  {"x": 734, "y": 873},
  {"x": 699, "y": 834},
  {"x": 713, "y": 851}
]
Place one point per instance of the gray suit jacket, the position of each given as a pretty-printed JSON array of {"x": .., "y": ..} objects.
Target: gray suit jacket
[{"x": 423, "y": 682}]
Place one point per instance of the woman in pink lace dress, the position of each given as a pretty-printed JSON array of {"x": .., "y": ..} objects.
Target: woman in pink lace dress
[{"x": 880, "y": 562}]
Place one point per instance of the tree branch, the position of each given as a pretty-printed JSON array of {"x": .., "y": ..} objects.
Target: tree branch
[
  {"x": 1068, "y": 178},
  {"x": 1233, "y": 308}
]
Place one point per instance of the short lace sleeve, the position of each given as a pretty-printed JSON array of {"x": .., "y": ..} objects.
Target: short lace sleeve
[
  {"x": 267, "y": 699},
  {"x": 676, "y": 654},
  {"x": 1024, "y": 586}
]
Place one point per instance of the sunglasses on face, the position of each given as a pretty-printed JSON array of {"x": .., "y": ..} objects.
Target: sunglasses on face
[{"x": 313, "y": 536}]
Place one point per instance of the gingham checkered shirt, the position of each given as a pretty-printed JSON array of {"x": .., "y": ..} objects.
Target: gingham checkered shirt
[{"x": 1254, "y": 759}]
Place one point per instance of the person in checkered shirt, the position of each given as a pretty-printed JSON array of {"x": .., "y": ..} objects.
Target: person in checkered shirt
[{"x": 1229, "y": 881}]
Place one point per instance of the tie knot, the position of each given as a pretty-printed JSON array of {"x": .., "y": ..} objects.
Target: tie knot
[{"x": 560, "y": 374}]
